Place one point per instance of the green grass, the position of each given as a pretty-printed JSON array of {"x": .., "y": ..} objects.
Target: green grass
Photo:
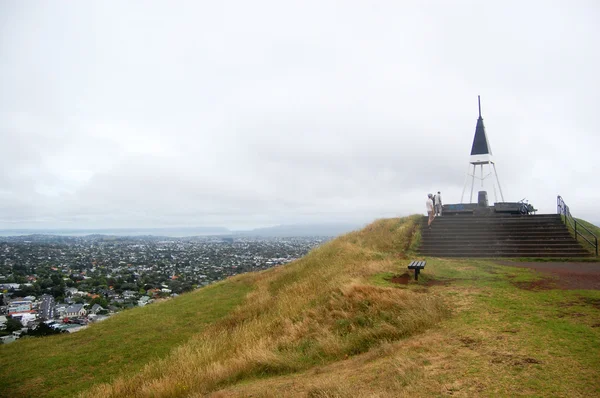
[
  {"x": 595, "y": 233},
  {"x": 62, "y": 365},
  {"x": 536, "y": 342}
]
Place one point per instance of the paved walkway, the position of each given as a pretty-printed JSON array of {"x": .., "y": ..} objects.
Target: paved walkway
[{"x": 583, "y": 275}]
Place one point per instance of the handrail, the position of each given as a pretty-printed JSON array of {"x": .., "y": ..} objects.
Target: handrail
[{"x": 563, "y": 210}]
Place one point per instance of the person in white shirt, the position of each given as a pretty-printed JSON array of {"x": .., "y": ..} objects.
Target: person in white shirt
[
  {"x": 438, "y": 204},
  {"x": 429, "y": 205}
]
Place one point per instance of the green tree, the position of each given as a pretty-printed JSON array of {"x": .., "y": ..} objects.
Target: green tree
[
  {"x": 100, "y": 301},
  {"x": 42, "y": 330},
  {"x": 12, "y": 324}
]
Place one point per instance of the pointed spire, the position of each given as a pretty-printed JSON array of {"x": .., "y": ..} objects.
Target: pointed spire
[{"x": 481, "y": 145}]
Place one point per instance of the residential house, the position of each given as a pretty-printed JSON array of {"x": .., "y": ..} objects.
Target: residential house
[
  {"x": 75, "y": 310},
  {"x": 129, "y": 294},
  {"x": 7, "y": 339},
  {"x": 95, "y": 309},
  {"x": 60, "y": 310},
  {"x": 144, "y": 300}
]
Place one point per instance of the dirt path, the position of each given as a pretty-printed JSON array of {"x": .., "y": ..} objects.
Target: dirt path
[{"x": 585, "y": 275}]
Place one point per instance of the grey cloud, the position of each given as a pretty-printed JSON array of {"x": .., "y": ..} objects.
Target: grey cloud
[{"x": 247, "y": 114}]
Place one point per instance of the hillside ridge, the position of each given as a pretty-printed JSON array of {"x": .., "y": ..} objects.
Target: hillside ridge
[{"x": 346, "y": 320}]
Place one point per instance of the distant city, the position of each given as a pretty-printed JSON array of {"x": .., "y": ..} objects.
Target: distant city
[{"x": 53, "y": 283}]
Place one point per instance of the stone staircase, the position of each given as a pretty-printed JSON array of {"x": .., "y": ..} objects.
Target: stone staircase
[{"x": 507, "y": 235}]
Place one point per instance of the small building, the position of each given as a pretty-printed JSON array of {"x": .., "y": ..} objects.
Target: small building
[
  {"x": 129, "y": 294},
  {"x": 75, "y": 310},
  {"x": 19, "y": 306},
  {"x": 144, "y": 300},
  {"x": 7, "y": 339},
  {"x": 95, "y": 309}
]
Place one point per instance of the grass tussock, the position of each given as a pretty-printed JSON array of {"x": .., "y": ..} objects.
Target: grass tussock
[{"x": 315, "y": 311}]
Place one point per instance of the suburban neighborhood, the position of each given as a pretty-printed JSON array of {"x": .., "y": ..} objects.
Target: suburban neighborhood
[{"x": 61, "y": 284}]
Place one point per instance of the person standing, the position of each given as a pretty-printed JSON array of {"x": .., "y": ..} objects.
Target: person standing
[
  {"x": 429, "y": 205},
  {"x": 437, "y": 200}
]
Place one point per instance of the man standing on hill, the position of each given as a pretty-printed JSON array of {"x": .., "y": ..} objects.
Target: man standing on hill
[
  {"x": 429, "y": 205},
  {"x": 438, "y": 204}
]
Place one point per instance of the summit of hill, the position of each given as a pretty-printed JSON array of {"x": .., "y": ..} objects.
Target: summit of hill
[{"x": 346, "y": 320}]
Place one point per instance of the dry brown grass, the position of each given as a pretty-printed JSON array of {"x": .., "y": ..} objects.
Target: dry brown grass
[
  {"x": 310, "y": 313},
  {"x": 325, "y": 326}
]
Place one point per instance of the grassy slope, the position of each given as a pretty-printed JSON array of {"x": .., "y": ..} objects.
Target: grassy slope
[
  {"x": 502, "y": 340},
  {"x": 332, "y": 324},
  {"x": 319, "y": 310},
  {"x": 593, "y": 229}
]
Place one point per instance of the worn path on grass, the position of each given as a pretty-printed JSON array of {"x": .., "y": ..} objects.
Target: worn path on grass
[{"x": 582, "y": 275}]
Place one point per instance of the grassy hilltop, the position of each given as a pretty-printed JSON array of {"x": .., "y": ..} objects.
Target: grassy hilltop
[{"x": 334, "y": 324}]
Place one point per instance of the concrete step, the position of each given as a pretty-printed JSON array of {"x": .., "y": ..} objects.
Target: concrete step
[
  {"x": 538, "y": 243},
  {"x": 499, "y": 236},
  {"x": 520, "y": 248},
  {"x": 493, "y": 220},
  {"x": 440, "y": 229},
  {"x": 497, "y": 216},
  {"x": 446, "y": 221},
  {"x": 505, "y": 254}
]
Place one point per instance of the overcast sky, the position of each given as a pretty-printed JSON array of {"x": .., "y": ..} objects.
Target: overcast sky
[{"x": 254, "y": 113}]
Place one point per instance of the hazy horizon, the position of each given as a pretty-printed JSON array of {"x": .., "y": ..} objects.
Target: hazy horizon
[{"x": 182, "y": 231}]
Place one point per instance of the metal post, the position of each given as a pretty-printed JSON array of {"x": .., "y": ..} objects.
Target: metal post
[
  {"x": 481, "y": 172},
  {"x": 472, "y": 184},
  {"x": 465, "y": 184},
  {"x": 498, "y": 181}
]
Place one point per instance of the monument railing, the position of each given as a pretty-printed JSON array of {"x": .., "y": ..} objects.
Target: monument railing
[{"x": 579, "y": 229}]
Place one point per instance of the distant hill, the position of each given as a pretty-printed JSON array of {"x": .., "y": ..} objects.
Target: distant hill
[
  {"x": 325, "y": 229},
  {"x": 168, "y": 231}
]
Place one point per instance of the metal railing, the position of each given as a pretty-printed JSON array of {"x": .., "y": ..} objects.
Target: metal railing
[{"x": 570, "y": 221}]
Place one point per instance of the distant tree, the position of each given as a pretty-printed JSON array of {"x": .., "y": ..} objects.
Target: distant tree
[
  {"x": 129, "y": 286},
  {"x": 46, "y": 283},
  {"x": 57, "y": 292},
  {"x": 100, "y": 301},
  {"x": 42, "y": 330},
  {"x": 12, "y": 324},
  {"x": 57, "y": 280}
]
